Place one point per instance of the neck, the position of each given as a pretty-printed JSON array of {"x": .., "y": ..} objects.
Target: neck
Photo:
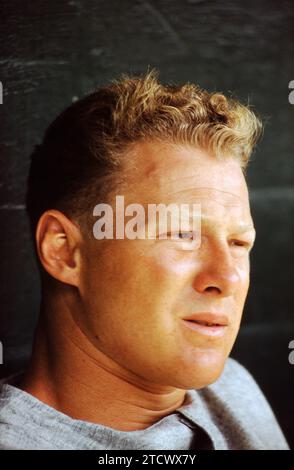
[{"x": 68, "y": 373}]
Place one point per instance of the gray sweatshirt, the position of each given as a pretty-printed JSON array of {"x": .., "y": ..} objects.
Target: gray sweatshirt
[{"x": 230, "y": 414}]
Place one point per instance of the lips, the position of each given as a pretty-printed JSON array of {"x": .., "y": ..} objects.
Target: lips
[
  {"x": 207, "y": 323},
  {"x": 208, "y": 318}
]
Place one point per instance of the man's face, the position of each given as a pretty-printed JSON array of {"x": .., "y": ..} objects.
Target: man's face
[{"x": 138, "y": 293}]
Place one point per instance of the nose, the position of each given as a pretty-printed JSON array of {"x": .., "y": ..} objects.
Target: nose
[{"x": 218, "y": 275}]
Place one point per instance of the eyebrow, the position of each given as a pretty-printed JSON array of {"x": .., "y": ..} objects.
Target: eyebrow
[
  {"x": 239, "y": 228},
  {"x": 244, "y": 229}
]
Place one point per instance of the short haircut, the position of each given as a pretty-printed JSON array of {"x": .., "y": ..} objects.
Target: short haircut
[{"x": 84, "y": 149}]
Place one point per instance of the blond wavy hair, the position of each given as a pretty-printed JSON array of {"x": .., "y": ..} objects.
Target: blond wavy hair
[
  {"x": 84, "y": 149},
  {"x": 183, "y": 114}
]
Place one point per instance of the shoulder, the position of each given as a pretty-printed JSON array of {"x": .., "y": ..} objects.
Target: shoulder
[
  {"x": 239, "y": 390},
  {"x": 237, "y": 399},
  {"x": 19, "y": 413},
  {"x": 236, "y": 378}
]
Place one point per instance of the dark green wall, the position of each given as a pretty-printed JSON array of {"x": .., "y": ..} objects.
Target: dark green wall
[{"x": 54, "y": 51}]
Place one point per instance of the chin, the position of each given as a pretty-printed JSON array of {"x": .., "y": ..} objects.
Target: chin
[{"x": 203, "y": 372}]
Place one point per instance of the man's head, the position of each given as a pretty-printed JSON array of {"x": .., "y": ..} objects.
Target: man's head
[{"x": 132, "y": 298}]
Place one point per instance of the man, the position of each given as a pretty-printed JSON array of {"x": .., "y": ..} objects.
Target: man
[{"x": 131, "y": 350}]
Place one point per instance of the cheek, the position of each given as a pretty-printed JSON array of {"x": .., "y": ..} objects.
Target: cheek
[
  {"x": 166, "y": 273},
  {"x": 241, "y": 292},
  {"x": 243, "y": 274},
  {"x": 172, "y": 265}
]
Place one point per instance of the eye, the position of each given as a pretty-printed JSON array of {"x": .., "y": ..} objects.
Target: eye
[
  {"x": 241, "y": 244},
  {"x": 180, "y": 235},
  {"x": 182, "y": 240}
]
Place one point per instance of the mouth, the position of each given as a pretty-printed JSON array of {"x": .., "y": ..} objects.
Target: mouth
[{"x": 208, "y": 324}]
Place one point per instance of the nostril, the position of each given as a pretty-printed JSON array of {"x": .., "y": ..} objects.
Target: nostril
[{"x": 212, "y": 289}]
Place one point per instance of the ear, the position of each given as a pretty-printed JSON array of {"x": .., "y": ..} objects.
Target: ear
[{"x": 58, "y": 242}]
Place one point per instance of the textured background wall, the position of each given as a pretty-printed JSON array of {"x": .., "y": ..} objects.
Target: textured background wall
[{"x": 53, "y": 51}]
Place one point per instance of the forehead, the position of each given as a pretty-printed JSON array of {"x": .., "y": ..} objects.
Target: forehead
[
  {"x": 162, "y": 172},
  {"x": 165, "y": 173}
]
